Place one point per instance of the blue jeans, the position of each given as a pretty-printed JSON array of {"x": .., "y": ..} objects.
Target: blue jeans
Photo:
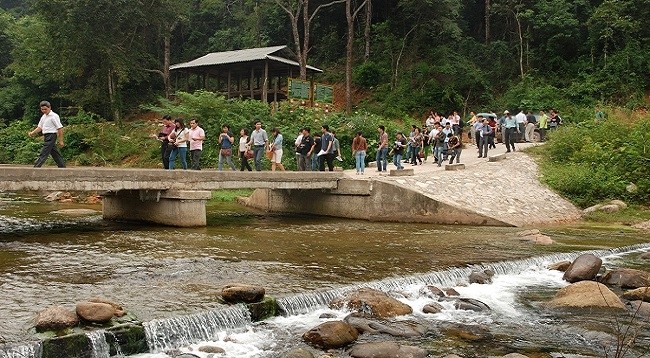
[
  {"x": 182, "y": 152},
  {"x": 382, "y": 162},
  {"x": 360, "y": 159},
  {"x": 258, "y": 152},
  {"x": 437, "y": 152},
  {"x": 397, "y": 160}
]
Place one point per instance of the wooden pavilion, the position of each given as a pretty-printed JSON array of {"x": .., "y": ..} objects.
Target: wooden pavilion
[{"x": 259, "y": 73}]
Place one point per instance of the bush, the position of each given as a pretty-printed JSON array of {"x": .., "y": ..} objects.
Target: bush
[{"x": 593, "y": 161}]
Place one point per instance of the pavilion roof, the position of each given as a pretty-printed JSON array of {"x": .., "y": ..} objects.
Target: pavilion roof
[{"x": 272, "y": 53}]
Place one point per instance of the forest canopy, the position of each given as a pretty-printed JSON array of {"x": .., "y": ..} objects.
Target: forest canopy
[{"x": 109, "y": 57}]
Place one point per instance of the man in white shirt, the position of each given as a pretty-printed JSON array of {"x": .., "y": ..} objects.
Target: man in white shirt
[
  {"x": 51, "y": 127},
  {"x": 521, "y": 125}
]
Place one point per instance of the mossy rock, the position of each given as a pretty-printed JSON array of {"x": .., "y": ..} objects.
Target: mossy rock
[
  {"x": 264, "y": 309},
  {"x": 130, "y": 337},
  {"x": 72, "y": 346}
]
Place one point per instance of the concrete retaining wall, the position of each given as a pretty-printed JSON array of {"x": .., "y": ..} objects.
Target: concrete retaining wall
[{"x": 368, "y": 200}]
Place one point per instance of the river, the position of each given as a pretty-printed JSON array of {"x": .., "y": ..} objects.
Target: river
[{"x": 159, "y": 273}]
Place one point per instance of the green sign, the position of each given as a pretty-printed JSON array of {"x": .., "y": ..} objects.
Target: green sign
[
  {"x": 299, "y": 89},
  {"x": 323, "y": 93}
]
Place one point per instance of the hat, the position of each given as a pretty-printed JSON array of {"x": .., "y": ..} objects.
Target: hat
[{"x": 506, "y": 112}]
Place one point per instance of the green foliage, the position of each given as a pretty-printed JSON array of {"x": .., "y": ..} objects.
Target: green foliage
[{"x": 593, "y": 161}]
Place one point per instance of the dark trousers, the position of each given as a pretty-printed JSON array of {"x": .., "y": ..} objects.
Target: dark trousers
[
  {"x": 455, "y": 154},
  {"x": 483, "y": 147},
  {"x": 477, "y": 134},
  {"x": 415, "y": 155},
  {"x": 329, "y": 158},
  {"x": 49, "y": 147},
  {"x": 165, "y": 151},
  {"x": 258, "y": 151},
  {"x": 244, "y": 162},
  {"x": 195, "y": 155},
  {"x": 510, "y": 138}
]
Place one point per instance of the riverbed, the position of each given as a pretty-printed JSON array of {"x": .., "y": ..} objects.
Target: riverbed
[{"x": 160, "y": 273}]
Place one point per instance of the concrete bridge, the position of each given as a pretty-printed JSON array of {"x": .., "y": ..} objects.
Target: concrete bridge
[{"x": 170, "y": 197}]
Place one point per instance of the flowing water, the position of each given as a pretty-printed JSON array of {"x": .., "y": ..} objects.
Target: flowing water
[{"x": 170, "y": 277}]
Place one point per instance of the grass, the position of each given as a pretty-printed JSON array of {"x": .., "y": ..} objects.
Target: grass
[
  {"x": 634, "y": 214},
  {"x": 229, "y": 195}
]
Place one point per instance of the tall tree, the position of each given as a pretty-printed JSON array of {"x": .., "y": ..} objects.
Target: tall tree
[
  {"x": 297, "y": 9},
  {"x": 350, "y": 14}
]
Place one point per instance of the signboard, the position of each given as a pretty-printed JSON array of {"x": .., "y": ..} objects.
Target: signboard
[
  {"x": 323, "y": 93},
  {"x": 299, "y": 89}
]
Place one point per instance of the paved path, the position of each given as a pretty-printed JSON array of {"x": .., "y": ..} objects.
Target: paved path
[{"x": 508, "y": 190}]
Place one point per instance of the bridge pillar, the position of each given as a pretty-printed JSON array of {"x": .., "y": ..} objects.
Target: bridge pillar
[{"x": 181, "y": 208}]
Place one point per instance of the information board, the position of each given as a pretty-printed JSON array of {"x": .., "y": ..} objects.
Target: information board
[
  {"x": 299, "y": 89},
  {"x": 323, "y": 93}
]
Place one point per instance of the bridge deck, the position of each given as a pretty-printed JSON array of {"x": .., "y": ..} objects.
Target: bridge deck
[{"x": 114, "y": 179}]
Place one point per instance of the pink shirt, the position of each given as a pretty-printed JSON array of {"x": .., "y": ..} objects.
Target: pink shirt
[{"x": 196, "y": 133}]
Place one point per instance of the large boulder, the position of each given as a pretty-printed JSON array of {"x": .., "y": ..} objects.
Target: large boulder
[
  {"x": 643, "y": 226},
  {"x": 55, "y": 318},
  {"x": 95, "y": 312},
  {"x": 237, "y": 293},
  {"x": 481, "y": 277},
  {"x": 386, "y": 350},
  {"x": 645, "y": 255},
  {"x": 469, "y": 333},
  {"x": 626, "y": 278},
  {"x": 393, "y": 328},
  {"x": 373, "y": 303},
  {"x": 119, "y": 311},
  {"x": 639, "y": 294},
  {"x": 332, "y": 334},
  {"x": 431, "y": 292},
  {"x": 212, "y": 349},
  {"x": 585, "y": 294},
  {"x": 432, "y": 308},
  {"x": 584, "y": 267},
  {"x": 560, "y": 266},
  {"x": 620, "y": 203},
  {"x": 468, "y": 304},
  {"x": 639, "y": 309}
]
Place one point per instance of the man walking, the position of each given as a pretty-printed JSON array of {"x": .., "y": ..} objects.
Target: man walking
[
  {"x": 259, "y": 140},
  {"x": 511, "y": 127},
  {"x": 486, "y": 130},
  {"x": 51, "y": 127},
  {"x": 521, "y": 125}
]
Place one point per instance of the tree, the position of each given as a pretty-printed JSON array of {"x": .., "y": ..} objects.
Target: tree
[
  {"x": 350, "y": 14},
  {"x": 296, "y": 9}
]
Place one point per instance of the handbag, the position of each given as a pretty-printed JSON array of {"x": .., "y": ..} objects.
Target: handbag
[
  {"x": 269, "y": 154},
  {"x": 249, "y": 154},
  {"x": 226, "y": 152}
]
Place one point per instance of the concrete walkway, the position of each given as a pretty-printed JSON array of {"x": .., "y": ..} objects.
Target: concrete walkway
[{"x": 508, "y": 190}]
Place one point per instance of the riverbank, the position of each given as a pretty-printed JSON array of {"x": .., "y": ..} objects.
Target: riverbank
[{"x": 503, "y": 190}]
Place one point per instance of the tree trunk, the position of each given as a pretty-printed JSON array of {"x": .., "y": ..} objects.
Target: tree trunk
[
  {"x": 112, "y": 98},
  {"x": 166, "y": 63},
  {"x": 350, "y": 15},
  {"x": 521, "y": 45},
  {"x": 487, "y": 22},
  {"x": 366, "y": 55},
  {"x": 305, "y": 39}
]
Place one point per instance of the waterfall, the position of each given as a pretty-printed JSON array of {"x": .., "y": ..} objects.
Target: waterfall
[
  {"x": 98, "y": 344},
  {"x": 306, "y": 302},
  {"x": 116, "y": 345},
  {"x": 33, "y": 350},
  {"x": 165, "y": 334}
]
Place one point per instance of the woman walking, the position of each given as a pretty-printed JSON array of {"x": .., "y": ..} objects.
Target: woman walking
[
  {"x": 178, "y": 138},
  {"x": 359, "y": 148},
  {"x": 226, "y": 140},
  {"x": 276, "y": 148},
  {"x": 243, "y": 148}
]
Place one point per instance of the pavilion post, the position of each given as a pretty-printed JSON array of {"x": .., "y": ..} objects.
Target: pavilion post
[
  {"x": 229, "y": 83},
  {"x": 265, "y": 83}
]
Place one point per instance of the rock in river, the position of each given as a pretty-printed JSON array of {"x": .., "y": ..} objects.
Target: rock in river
[
  {"x": 585, "y": 267},
  {"x": 332, "y": 334},
  {"x": 373, "y": 303},
  {"x": 585, "y": 294},
  {"x": 55, "y": 318},
  {"x": 386, "y": 350},
  {"x": 237, "y": 293},
  {"x": 95, "y": 312}
]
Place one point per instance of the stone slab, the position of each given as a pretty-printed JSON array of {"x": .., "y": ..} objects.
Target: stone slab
[
  {"x": 457, "y": 166},
  {"x": 497, "y": 158},
  {"x": 401, "y": 173}
]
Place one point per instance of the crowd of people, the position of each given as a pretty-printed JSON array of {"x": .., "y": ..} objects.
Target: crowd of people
[{"x": 439, "y": 137}]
